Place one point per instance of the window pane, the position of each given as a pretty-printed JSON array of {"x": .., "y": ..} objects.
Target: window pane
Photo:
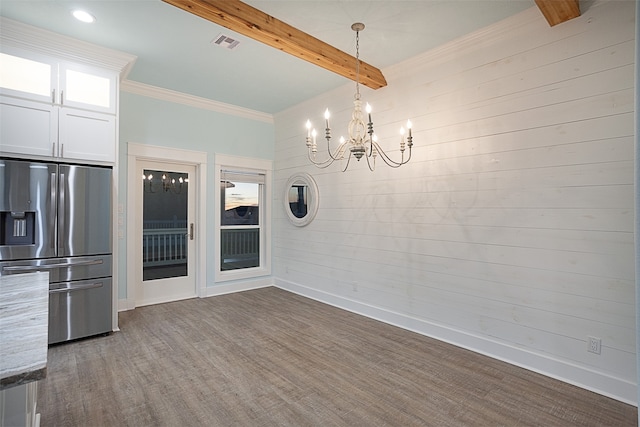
[
  {"x": 239, "y": 203},
  {"x": 25, "y": 75},
  {"x": 239, "y": 248},
  {"x": 88, "y": 89}
]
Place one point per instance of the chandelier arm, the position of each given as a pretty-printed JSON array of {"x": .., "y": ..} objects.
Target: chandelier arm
[
  {"x": 339, "y": 151},
  {"x": 388, "y": 160},
  {"x": 338, "y": 154},
  {"x": 369, "y": 163},
  {"x": 347, "y": 165},
  {"x": 321, "y": 165}
]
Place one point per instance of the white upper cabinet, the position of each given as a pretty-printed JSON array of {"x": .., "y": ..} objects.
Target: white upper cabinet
[
  {"x": 28, "y": 127},
  {"x": 36, "y": 77},
  {"x": 51, "y": 108},
  {"x": 87, "y": 88},
  {"x": 58, "y": 95}
]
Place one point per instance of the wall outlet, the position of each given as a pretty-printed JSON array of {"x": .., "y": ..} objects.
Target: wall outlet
[{"x": 594, "y": 345}]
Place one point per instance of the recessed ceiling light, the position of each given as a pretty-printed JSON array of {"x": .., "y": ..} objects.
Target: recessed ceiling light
[{"x": 83, "y": 16}]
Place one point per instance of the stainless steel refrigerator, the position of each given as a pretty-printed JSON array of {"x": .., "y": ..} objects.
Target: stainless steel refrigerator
[{"x": 58, "y": 218}]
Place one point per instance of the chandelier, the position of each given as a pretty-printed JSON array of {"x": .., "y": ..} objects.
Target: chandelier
[
  {"x": 167, "y": 183},
  {"x": 362, "y": 140}
]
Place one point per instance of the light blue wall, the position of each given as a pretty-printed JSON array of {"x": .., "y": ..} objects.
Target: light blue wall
[{"x": 150, "y": 121}]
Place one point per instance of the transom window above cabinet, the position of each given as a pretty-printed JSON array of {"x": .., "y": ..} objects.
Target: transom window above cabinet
[{"x": 39, "y": 78}]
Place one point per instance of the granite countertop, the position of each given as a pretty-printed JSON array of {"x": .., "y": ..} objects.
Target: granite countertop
[{"x": 24, "y": 326}]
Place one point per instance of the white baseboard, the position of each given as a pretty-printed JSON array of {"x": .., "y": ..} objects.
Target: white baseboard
[
  {"x": 210, "y": 291},
  {"x": 598, "y": 382},
  {"x": 239, "y": 286},
  {"x": 126, "y": 304}
]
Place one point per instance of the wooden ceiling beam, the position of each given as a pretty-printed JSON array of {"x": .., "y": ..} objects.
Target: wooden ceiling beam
[
  {"x": 558, "y": 11},
  {"x": 251, "y": 22}
]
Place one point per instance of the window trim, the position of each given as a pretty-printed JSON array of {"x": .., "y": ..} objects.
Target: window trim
[{"x": 245, "y": 164}]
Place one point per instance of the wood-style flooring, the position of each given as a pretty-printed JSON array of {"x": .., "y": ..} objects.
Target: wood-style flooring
[{"x": 268, "y": 357}]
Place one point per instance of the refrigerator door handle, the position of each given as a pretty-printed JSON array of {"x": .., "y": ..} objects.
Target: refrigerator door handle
[
  {"x": 52, "y": 211},
  {"x": 72, "y": 288},
  {"x": 61, "y": 214},
  {"x": 26, "y": 268}
]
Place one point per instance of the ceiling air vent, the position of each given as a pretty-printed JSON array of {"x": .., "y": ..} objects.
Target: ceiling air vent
[{"x": 225, "y": 41}]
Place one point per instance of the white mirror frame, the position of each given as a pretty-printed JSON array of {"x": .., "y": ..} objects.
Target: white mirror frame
[{"x": 312, "y": 198}]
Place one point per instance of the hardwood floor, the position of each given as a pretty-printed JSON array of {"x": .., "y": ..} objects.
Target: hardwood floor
[{"x": 271, "y": 358}]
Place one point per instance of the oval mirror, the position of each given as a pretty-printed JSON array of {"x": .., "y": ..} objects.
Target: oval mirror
[{"x": 301, "y": 199}]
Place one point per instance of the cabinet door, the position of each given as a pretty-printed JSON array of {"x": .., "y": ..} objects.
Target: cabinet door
[
  {"x": 28, "y": 127},
  {"x": 87, "y": 88},
  {"x": 28, "y": 75},
  {"x": 86, "y": 135}
]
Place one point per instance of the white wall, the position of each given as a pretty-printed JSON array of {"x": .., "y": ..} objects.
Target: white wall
[{"x": 511, "y": 230}]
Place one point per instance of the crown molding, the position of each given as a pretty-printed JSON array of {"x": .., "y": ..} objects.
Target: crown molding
[
  {"x": 192, "y": 101},
  {"x": 19, "y": 35}
]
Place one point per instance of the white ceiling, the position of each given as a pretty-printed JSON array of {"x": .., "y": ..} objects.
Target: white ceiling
[{"x": 175, "y": 52}]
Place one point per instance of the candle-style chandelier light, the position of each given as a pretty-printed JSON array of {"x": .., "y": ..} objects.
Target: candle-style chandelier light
[
  {"x": 362, "y": 141},
  {"x": 167, "y": 183}
]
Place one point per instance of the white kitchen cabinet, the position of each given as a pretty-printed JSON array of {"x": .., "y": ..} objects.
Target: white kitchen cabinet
[
  {"x": 56, "y": 108},
  {"x": 86, "y": 135},
  {"x": 41, "y": 78},
  {"x": 37, "y": 129},
  {"x": 28, "y": 127}
]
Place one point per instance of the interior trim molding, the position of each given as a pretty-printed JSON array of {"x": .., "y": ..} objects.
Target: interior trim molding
[
  {"x": 34, "y": 39},
  {"x": 580, "y": 376},
  {"x": 192, "y": 101},
  {"x": 239, "y": 286}
]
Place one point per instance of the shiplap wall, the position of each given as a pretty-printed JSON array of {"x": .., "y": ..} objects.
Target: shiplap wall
[{"x": 511, "y": 230}]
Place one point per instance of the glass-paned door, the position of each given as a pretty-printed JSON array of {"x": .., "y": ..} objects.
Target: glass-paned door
[{"x": 167, "y": 232}]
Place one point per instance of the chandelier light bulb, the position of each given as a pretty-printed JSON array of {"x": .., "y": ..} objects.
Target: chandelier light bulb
[
  {"x": 308, "y": 128},
  {"x": 150, "y": 177},
  {"x": 401, "y": 131}
]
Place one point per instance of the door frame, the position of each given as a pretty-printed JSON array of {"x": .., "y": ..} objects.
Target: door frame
[{"x": 142, "y": 152}]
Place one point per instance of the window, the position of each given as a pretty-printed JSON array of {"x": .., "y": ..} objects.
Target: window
[{"x": 242, "y": 218}]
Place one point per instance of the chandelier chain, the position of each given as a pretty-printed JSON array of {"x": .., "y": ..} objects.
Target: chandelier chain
[{"x": 357, "y": 96}]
